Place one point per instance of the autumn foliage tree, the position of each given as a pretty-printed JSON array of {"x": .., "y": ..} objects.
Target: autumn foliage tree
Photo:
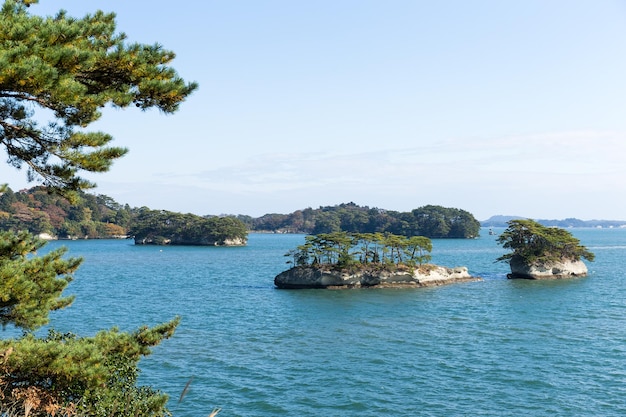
[{"x": 56, "y": 75}]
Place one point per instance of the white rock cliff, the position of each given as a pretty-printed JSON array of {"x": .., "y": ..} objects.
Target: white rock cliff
[
  {"x": 315, "y": 277},
  {"x": 547, "y": 270}
]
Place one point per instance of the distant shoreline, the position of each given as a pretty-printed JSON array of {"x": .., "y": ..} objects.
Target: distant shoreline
[{"x": 501, "y": 221}]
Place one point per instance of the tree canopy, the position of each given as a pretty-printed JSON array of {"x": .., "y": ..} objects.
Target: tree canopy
[
  {"x": 342, "y": 250},
  {"x": 63, "y": 374},
  {"x": 66, "y": 70},
  {"x": 534, "y": 243},
  {"x": 56, "y": 75},
  {"x": 31, "y": 287}
]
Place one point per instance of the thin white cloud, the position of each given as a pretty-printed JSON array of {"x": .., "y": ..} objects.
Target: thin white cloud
[{"x": 595, "y": 156}]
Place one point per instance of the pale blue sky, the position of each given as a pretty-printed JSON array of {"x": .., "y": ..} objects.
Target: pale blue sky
[{"x": 495, "y": 107}]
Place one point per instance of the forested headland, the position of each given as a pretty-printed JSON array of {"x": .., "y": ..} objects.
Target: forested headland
[
  {"x": 98, "y": 216},
  {"x": 40, "y": 211}
]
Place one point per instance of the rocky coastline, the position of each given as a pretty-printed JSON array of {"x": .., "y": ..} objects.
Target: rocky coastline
[{"x": 309, "y": 276}]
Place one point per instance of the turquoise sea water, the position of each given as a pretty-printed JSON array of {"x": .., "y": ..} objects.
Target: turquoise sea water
[{"x": 492, "y": 348}]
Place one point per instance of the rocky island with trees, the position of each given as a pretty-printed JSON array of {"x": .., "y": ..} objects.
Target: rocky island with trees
[
  {"x": 355, "y": 260},
  {"x": 161, "y": 227},
  {"x": 540, "y": 252}
]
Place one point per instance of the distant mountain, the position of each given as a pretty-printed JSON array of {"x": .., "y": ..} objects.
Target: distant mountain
[
  {"x": 498, "y": 221},
  {"x": 501, "y": 221}
]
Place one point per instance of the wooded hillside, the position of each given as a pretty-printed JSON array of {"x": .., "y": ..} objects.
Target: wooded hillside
[
  {"x": 99, "y": 216},
  {"x": 430, "y": 221}
]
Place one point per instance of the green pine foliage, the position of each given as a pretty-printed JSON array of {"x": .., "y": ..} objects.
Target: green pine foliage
[
  {"x": 343, "y": 250},
  {"x": 56, "y": 75},
  {"x": 63, "y": 374},
  {"x": 71, "y": 68},
  {"x": 535, "y": 243},
  {"x": 31, "y": 286}
]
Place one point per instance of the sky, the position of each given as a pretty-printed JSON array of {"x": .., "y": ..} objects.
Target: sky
[{"x": 494, "y": 107}]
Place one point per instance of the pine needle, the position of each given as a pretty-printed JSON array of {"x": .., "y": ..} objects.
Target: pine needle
[{"x": 182, "y": 394}]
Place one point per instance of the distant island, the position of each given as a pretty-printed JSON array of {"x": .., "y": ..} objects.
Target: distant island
[
  {"x": 431, "y": 221},
  {"x": 502, "y": 221},
  {"x": 161, "y": 227}
]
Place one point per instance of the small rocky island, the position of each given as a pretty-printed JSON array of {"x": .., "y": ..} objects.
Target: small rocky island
[
  {"x": 320, "y": 277},
  {"x": 540, "y": 252},
  {"x": 366, "y": 260}
]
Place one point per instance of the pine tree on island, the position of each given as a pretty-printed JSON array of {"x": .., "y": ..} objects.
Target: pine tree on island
[
  {"x": 540, "y": 252},
  {"x": 354, "y": 260}
]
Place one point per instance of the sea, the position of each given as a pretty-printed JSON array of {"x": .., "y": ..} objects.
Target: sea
[{"x": 495, "y": 347}]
